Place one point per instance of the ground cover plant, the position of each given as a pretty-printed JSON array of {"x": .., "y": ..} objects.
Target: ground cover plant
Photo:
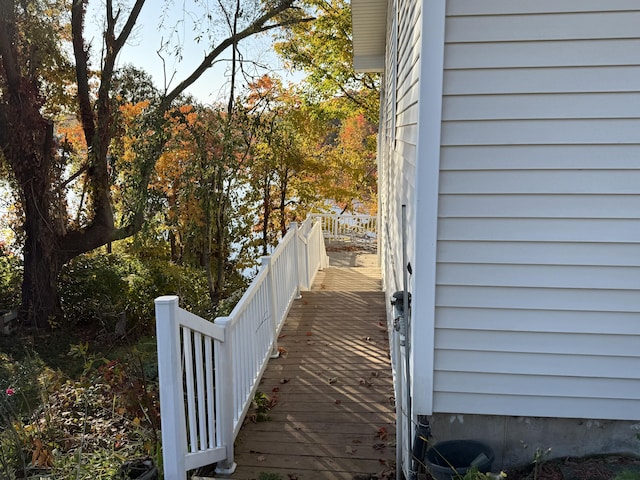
[{"x": 80, "y": 400}]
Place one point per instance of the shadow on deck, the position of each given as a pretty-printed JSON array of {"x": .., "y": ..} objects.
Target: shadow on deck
[{"x": 334, "y": 413}]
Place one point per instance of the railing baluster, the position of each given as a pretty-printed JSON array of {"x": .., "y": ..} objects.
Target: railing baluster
[
  {"x": 210, "y": 395},
  {"x": 191, "y": 398},
  {"x": 200, "y": 391}
]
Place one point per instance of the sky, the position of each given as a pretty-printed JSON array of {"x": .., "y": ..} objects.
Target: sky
[{"x": 163, "y": 20}]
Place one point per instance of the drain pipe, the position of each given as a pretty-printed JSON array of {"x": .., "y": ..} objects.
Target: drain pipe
[
  {"x": 406, "y": 270},
  {"x": 400, "y": 301},
  {"x": 420, "y": 444},
  {"x": 402, "y": 308}
]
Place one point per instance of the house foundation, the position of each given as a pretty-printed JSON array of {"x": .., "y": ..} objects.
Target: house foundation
[{"x": 516, "y": 441}]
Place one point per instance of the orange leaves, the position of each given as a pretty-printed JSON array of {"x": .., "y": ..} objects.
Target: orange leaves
[
  {"x": 41, "y": 456},
  {"x": 130, "y": 111}
]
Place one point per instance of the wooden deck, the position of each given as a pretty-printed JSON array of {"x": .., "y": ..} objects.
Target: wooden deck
[{"x": 333, "y": 415}]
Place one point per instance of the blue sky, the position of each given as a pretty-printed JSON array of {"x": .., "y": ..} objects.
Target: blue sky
[{"x": 177, "y": 25}]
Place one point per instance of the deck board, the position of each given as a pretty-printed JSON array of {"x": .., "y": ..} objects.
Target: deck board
[{"x": 334, "y": 417}]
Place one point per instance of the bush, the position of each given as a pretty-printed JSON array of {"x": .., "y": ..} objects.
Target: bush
[
  {"x": 118, "y": 290},
  {"x": 10, "y": 280}
]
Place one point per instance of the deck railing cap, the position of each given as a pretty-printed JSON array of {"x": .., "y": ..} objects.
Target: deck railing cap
[{"x": 166, "y": 299}]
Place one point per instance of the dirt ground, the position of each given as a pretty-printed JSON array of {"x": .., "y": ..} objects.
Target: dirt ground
[{"x": 605, "y": 467}]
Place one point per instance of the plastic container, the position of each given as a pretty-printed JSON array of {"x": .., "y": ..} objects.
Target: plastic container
[{"x": 450, "y": 460}]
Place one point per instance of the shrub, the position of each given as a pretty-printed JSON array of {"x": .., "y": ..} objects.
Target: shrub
[
  {"x": 10, "y": 280},
  {"x": 119, "y": 289}
]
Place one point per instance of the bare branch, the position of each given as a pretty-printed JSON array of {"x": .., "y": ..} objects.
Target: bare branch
[
  {"x": 257, "y": 26},
  {"x": 74, "y": 176},
  {"x": 131, "y": 21},
  {"x": 82, "y": 69}
]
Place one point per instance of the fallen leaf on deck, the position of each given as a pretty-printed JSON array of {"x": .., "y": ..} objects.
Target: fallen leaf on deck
[
  {"x": 284, "y": 380},
  {"x": 382, "y": 433},
  {"x": 262, "y": 458},
  {"x": 332, "y": 380},
  {"x": 349, "y": 449},
  {"x": 338, "y": 402},
  {"x": 365, "y": 383},
  {"x": 308, "y": 334},
  {"x": 379, "y": 446},
  {"x": 275, "y": 390}
]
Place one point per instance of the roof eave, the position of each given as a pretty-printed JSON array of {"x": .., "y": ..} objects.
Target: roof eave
[{"x": 369, "y": 23}]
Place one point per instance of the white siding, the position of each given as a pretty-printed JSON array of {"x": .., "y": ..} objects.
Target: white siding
[
  {"x": 538, "y": 275},
  {"x": 397, "y": 170},
  {"x": 399, "y": 133}
]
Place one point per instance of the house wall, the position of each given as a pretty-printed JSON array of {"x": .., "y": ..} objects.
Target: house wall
[
  {"x": 538, "y": 273},
  {"x": 398, "y": 180},
  {"x": 399, "y": 124},
  {"x": 531, "y": 337}
]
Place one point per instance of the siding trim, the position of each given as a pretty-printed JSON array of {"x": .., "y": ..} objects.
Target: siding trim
[{"x": 426, "y": 203}]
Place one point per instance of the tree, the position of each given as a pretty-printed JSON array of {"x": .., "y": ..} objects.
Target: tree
[
  {"x": 30, "y": 147},
  {"x": 347, "y": 102},
  {"x": 202, "y": 175},
  {"x": 323, "y": 49},
  {"x": 286, "y": 138}
]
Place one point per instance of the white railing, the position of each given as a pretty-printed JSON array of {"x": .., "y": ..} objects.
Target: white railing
[
  {"x": 349, "y": 228},
  {"x": 315, "y": 257},
  {"x": 209, "y": 372}
]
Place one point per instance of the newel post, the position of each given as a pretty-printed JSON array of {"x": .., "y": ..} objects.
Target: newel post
[
  {"x": 271, "y": 288},
  {"x": 225, "y": 397},
  {"x": 174, "y": 430}
]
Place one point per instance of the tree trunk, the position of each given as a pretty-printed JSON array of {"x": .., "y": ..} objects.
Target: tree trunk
[
  {"x": 40, "y": 300},
  {"x": 42, "y": 248}
]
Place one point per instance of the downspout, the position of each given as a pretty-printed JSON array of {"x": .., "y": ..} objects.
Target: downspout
[{"x": 401, "y": 302}]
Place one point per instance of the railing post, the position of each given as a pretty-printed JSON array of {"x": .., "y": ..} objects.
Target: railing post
[
  {"x": 296, "y": 254},
  {"x": 224, "y": 392},
  {"x": 271, "y": 288},
  {"x": 322, "y": 251},
  {"x": 307, "y": 258},
  {"x": 174, "y": 430}
]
